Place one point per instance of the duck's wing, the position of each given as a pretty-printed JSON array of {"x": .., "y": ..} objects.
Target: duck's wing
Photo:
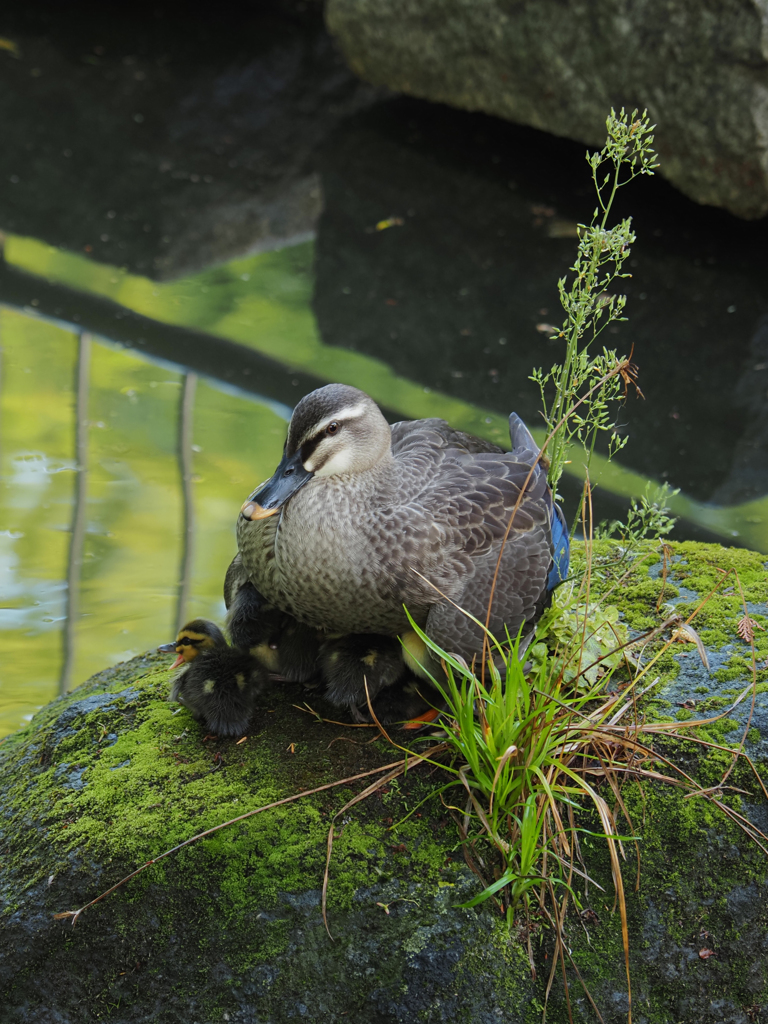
[
  {"x": 481, "y": 522},
  {"x": 446, "y": 531},
  {"x": 525, "y": 448},
  {"x": 437, "y": 434},
  {"x": 236, "y": 577},
  {"x": 521, "y": 438},
  {"x": 518, "y": 581}
]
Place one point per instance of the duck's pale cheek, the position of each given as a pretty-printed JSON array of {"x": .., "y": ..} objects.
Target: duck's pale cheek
[{"x": 339, "y": 462}]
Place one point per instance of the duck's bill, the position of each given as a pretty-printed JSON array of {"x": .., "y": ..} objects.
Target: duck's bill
[
  {"x": 170, "y": 649},
  {"x": 251, "y": 510},
  {"x": 268, "y": 499}
]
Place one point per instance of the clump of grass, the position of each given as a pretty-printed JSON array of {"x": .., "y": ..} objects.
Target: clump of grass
[
  {"x": 536, "y": 744},
  {"x": 529, "y": 749}
]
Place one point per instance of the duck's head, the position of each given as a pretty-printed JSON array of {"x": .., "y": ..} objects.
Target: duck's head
[
  {"x": 198, "y": 635},
  {"x": 334, "y": 430}
]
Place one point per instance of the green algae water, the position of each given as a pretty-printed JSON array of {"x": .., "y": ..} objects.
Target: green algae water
[
  {"x": 153, "y": 545},
  {"x": 133, "y": 552}
]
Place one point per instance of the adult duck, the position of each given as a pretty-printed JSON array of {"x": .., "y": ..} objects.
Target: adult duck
[{"x": 362, "y": 520}]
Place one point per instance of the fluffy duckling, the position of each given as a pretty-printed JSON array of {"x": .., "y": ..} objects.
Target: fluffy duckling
[
  {"x": 348, "y": 663},
  {"x": 282, "y": 645},
  {"x": 217, "y": 683}
]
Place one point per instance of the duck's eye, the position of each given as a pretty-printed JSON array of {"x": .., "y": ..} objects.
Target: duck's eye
[{"x": 333, "y": 428}]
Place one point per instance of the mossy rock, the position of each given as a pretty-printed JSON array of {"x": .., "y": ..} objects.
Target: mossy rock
[{"x": 230, "y": 928}]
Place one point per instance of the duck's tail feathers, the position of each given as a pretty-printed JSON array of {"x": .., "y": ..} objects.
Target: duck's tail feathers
[{"x": 521, "y": 437}]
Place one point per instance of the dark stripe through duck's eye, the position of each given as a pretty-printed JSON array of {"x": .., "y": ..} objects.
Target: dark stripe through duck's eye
[{"x": 332, "y": 428}]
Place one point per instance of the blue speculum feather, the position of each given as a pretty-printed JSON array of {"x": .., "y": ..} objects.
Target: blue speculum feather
[
  {"x": 561, "y": 548},
  {"x": 522, "y": 440}
]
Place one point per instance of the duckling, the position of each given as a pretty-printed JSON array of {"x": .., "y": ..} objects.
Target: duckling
[
  {"x": 361, "y": 520},
  {"x": 411, "y": 702},
  {"x": 348, "y": 663},
  {"x": 218, "y": 683},
  {"x": 282, "y": 645}
]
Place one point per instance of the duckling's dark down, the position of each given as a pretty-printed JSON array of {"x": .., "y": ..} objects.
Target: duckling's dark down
[
  {"x": 349, "y": 664},
  {"x": 284, "y": 647},
  {"x": 218, "y": 684},
  {"x": 352, "y": 665},
  {"x": 361, "y": 519}
]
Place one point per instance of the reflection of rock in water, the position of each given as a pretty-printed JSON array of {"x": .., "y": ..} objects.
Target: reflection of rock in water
[
  {"x": 487, "y": 211},
  {"x": 171, "y": 148},
  {"x": 748, "y": 476}
]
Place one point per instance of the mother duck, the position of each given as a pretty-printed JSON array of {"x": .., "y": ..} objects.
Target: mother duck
[{"x": 361, "y": 520}]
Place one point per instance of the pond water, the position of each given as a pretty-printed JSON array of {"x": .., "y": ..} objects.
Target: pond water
[{"x": 198, "y": 231}]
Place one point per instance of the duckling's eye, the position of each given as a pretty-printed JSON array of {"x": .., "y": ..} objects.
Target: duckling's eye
[{"x": 333, "y": 428}]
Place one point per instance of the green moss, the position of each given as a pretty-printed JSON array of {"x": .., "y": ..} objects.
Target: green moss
[
  {"x": 691, "y": 859},
  {"x": 109, "y": 777}
]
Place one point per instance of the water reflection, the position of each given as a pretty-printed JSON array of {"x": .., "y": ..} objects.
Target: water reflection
[
  {"x": 123, "y": 473},
  {"x": 185, "y": 449},
  {"x": 77, "y": 529},
  {"x": 91, "y": 575}
]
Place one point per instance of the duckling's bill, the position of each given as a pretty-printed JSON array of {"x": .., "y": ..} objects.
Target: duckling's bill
[
  {"x": 169, "y": 649},
  {"x": 267, "y": 499}
]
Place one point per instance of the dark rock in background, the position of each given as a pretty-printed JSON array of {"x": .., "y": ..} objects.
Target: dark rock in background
[
  {"x": 162, "y": 147},
  {"x": 700, "y": 68},
  {"x": 749, "y": 469}
]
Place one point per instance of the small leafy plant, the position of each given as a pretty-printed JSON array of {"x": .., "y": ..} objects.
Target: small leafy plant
[
  {"x": 590, "y": 637},
  {"x": 647, "y": 516}
]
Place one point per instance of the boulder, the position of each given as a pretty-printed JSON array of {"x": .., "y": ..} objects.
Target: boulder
[
  {"x": 167, "y": 145},
  {"x": 700, "y": 68},
  {"x": 230, "y": 927}
]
